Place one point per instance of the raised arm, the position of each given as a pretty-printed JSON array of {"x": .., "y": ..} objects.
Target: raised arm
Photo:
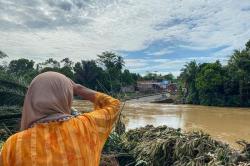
[
  {"x": 105, "y": 113},
  {"x": 85, "y": 93}
]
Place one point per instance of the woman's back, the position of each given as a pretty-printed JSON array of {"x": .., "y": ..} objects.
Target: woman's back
[{"x": 76, "y": 141}]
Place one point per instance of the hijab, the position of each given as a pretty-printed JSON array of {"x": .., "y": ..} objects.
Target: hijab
[{"x": 49, "y": 97}]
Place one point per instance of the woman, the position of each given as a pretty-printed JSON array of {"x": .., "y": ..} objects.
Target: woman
[{"x": 50, "y": 134}]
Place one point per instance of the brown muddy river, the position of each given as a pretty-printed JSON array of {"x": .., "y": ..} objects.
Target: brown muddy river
[{"x": 222, "y": 123}]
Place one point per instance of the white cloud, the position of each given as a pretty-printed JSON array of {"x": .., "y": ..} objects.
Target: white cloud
[
  {"x": 161, "y": 52},
  {"x": 135, "y": 63},
  {"x": 165, "y": 66},
  {"x": 162, "y": 66},
  {"x": 39, "y": 29}
]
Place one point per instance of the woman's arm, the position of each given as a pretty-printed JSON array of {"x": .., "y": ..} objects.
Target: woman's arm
[
  {"x": 85, "y": 93},
  {"x": 105, "y": 113}
]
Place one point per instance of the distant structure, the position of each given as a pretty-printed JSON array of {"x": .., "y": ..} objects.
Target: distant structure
[{"x": 152, "y": 85}]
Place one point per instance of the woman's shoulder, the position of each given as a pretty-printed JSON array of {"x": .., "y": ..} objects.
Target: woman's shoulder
[
  {"x": 10, "y": 142},
  {"x": 12, "y": 139}
]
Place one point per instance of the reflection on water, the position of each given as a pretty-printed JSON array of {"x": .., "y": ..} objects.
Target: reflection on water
[
  {"x": 226, "y": 124},
  {"x": 222, "y": 123}
]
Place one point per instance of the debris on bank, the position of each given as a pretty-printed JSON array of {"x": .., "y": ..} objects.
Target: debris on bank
[{"x": 163, "y": 146}]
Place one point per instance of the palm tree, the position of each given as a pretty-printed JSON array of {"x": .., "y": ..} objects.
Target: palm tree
[
  {"x": 12, "y": 90},
  {"x": 187, "y": 78},
  {"x": 188, "y": 73},
  {"x": 87, "y": 73},
  {"x": 119, "y": 63}
]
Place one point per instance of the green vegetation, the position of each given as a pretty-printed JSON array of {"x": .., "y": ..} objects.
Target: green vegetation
[
  {"x": 205, "y": 84},
  {"x": 12, "y": 90},
  {"x": 167, "y": 146},
  {"x": 105, "y": 74},
  {"x": 214, "y": 84}
]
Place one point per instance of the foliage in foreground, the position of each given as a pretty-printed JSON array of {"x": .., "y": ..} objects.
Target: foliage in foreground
[{"x": 167, "y": 146}]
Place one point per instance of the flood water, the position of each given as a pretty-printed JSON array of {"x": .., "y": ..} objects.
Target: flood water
[{"x": 222, "y": 123}]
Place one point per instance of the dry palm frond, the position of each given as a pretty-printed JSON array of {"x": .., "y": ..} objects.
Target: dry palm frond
[{"x": 163, "y": 146}]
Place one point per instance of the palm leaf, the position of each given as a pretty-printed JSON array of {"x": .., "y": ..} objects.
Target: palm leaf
[
  {"x": 11, "y": 97},
  {"x": 13, "y": 84},
  {"x": 12, "y": 90}
]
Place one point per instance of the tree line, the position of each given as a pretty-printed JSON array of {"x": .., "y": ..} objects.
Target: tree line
[
  {"x": 215, "y": 84},
  {"x": 205, "y": 84},
  {"x": 106, "y": 74}
]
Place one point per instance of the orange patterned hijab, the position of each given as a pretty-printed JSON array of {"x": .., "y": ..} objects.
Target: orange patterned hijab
[{"x": 49, "y": 97}]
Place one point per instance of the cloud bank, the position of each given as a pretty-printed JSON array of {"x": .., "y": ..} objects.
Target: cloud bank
[{"x": 151, "y": 34}]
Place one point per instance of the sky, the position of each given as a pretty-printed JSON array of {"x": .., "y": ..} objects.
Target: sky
[{"x": 152, "y": 35}]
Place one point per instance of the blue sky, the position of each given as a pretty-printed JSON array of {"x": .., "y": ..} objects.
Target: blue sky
[{"x": 151, "y": 35}]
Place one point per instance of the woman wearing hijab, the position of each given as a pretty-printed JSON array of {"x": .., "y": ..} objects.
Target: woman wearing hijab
[{"x": 50, "y": 135}]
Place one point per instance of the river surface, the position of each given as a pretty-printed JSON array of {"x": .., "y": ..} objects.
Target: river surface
[{"x": 222, "y": 123}]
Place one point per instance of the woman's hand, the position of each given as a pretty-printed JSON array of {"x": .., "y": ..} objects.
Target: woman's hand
[{"x": 85, "y": 93}]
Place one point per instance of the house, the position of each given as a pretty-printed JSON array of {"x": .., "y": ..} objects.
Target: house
[{"x": 151, "y": 85}]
